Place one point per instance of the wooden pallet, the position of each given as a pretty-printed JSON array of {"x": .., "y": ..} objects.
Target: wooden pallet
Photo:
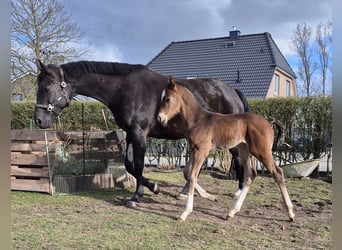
[{"x": 29, "y": 160}]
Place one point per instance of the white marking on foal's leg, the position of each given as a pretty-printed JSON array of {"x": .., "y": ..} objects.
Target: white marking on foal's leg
[
  {"x": 237, "y": 193},
  {"x": 189, "y": 205},
  {"x": 288, "y": 202},
  {"x": 238, "y": 204},
  {"x": 204, "y": 193}
]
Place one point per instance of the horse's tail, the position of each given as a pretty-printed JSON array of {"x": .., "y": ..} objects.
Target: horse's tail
[
  {"x": 243, "y": 99},
  {"x": 281, "y": 131}
]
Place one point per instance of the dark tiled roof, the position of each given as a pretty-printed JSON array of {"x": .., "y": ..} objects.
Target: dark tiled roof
[{"x": 247, "y": 63}]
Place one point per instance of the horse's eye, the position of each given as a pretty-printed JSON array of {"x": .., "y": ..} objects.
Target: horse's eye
[{"x": 167, "y": 99}]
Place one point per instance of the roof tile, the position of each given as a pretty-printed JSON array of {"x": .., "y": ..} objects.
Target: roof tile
[{"x": 251, "y": 59}]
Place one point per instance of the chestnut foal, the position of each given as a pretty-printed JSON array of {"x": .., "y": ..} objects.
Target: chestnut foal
[{"x": 206, "y": 131}]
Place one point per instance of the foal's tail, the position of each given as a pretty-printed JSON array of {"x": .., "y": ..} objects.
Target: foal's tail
[{"x": 281, "y": 131}]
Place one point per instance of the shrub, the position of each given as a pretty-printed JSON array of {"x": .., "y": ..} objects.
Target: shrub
[{"x": 71, "y": 118}]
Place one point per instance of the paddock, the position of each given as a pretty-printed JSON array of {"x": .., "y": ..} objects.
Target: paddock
[{"x": 99, "y": 219}]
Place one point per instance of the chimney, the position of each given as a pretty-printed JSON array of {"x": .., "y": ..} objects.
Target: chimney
[{"x": 234, "y": 34}]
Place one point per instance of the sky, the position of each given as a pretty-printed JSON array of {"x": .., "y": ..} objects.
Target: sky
[{"x": 135, "y": 31}]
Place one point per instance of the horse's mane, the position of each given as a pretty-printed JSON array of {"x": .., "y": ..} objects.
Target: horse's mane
[{"x": 84, "y": 67}]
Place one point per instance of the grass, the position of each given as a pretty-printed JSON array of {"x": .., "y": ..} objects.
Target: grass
[{"x": 99, "y": 220}]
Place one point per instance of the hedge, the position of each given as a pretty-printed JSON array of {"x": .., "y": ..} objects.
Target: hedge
[
  {"x": 70, "y": 119},
  {"x": 308, "y": 120}
]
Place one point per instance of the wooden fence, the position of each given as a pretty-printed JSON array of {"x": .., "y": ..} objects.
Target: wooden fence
[
  {"x": 33, "y": 152},
  {"x": 29, "y": 160}
]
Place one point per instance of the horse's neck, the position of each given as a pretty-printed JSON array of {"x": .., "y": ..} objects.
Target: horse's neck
[
  {"x": 192, "y": 110},
  {"x": 96, "y": 87}
]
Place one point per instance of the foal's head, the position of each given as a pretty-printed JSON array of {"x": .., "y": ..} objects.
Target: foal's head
[{"x": 170, "y": 104}]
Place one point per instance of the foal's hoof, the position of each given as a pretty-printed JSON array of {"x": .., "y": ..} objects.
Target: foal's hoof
[
  {"x": 181, "y": 196},
  {"x": 212, "y": 198},
  {"x": 229, "y": 217},
  {"x": 180, "y": 220},
  {"x": 131, "y": 204},
  {"x": 292, "y": 219}
]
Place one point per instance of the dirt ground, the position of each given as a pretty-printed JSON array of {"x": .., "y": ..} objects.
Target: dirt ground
[
  {"x": 100, "y": 220},
  {"x": 263, "y": 209}
]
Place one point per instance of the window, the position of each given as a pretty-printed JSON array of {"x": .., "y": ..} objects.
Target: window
[
  {"x": 17, "y": 97},
  {"x": 276, "y": 84},
  {"x": 191, "y": 77},
  {"x": 287, "y": 88}
]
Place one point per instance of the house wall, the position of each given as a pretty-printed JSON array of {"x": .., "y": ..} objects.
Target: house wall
[
  {"x": 24, "y": 86},
  {"x": 283, "y": 78}
]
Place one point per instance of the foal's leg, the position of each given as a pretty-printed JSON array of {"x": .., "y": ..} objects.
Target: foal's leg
[
  {"x": 198, "y": 158},
  {"x": 184, "y": 193},
  {"x": 278, "y": 176},
  {"x": 249, "y": 176}
]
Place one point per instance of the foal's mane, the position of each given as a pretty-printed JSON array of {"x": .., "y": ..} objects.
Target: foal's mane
[{"x": 108, "y": 68}]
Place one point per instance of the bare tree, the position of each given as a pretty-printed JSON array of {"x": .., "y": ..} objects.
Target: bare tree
[
  {"x": 301, "y": 43},
  {"x": 41, "y": 29},
  {"x": 324, "y": 40}
]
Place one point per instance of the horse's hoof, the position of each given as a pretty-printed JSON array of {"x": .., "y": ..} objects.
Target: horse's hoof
[
  {"x": 156, "y": 189},
  {"x": 181, "y": 197},
  {"x": 131, "y": 204}
]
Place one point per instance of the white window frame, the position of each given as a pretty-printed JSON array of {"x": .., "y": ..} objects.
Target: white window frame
[
  {"x": 17, "y": 97},
  {"x": 276, "y": 84},
  {"x": 287, "y": 90}
]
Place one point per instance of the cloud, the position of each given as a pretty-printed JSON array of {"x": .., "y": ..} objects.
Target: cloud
[
  {"x": 278, "y": 17},
  {"x": 136, "y": 31},
  {"x": 105, "y": 53}
]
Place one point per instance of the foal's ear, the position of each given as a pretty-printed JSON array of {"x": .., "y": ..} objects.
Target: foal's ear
[{"x": 172, "y": 83}]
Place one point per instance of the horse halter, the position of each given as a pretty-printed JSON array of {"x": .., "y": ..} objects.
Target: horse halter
[{"x": 51, "y": 107}]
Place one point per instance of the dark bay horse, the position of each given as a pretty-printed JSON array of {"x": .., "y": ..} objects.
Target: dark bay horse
[
  {"x": 132, "y": 93},
  {"x": 250, "y": 133}
]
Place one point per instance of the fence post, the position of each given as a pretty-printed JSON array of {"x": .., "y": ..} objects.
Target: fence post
[
  {"x": 48, "y": 162},
  {"x": 83, "y": 140}
]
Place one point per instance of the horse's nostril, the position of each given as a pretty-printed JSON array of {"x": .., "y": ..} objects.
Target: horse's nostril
[
  {"x": 38, "y": 121},
  {"x": 159, "y": 118}
]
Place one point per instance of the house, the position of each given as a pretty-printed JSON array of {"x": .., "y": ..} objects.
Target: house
[
  {"x": 252, "y": 63},
  {"x": 23, "y": 88}
]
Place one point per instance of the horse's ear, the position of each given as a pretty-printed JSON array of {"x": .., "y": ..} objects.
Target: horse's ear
[
  {"x": 172, "y": 83},
  {"x": 42, "y": 67}
]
